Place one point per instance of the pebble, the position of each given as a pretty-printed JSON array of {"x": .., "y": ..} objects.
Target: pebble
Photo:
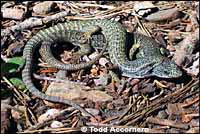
[
  {"x": 49, "y": 114},
  {"x": 56, "y": 124},
  {"x": 143, "y": 7},
  {"x": 103, "y": 61},
  {"x": 44, "y": 7}
]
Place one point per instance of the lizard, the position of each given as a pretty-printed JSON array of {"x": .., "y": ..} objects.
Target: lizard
[{"x": 115, "y": 35}]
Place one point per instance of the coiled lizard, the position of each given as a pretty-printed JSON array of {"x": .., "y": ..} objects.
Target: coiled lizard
[{"x": 115, "y": 36}]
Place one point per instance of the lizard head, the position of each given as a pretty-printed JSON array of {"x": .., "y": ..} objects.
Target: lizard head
[{"x": 167, "y": 69}]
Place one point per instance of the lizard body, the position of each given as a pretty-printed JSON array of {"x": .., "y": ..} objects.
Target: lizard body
[{"x": 115, "y": 36}]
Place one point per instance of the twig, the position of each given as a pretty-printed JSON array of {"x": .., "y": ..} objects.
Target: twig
[
  {"x": 94, "y": 5},
  {"x": 51, "y": 129},
  {"x": 57, "y": 80},
  {"x": 167, "y": 122},
  {"x": 127, "y": 110},
  {"x": 142, "y": 26},
  {"x": 55, "y": 16},
  {"x": 109, "y": 119},
  {"x": 190, "y": 103},
  {"x": 32, "y": 22}
]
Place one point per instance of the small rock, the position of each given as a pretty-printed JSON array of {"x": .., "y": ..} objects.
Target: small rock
[
  {"x": 186, "y": 47},
  {"x": 44, "y": 7},
  {"x": 13, "y": 13},
  {"x": 103, "y": 61},
  {"x": 56, "y": 124},
  {"x": 49, "y": 114},
  {"x": 143, "y": 7},
  {"x": 94, "y": 71},
  {"x": 65, "y": 90}
]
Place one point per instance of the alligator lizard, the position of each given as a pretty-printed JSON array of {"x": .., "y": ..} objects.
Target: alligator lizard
[{"x": 115, "y": 36}]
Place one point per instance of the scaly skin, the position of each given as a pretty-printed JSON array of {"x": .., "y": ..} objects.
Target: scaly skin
[
  {"x": 150, "y": 50},
  {"x": 115, "y": 36}
]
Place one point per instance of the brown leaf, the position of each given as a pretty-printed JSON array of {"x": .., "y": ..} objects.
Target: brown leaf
[{"x": 48, "y": 70}]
